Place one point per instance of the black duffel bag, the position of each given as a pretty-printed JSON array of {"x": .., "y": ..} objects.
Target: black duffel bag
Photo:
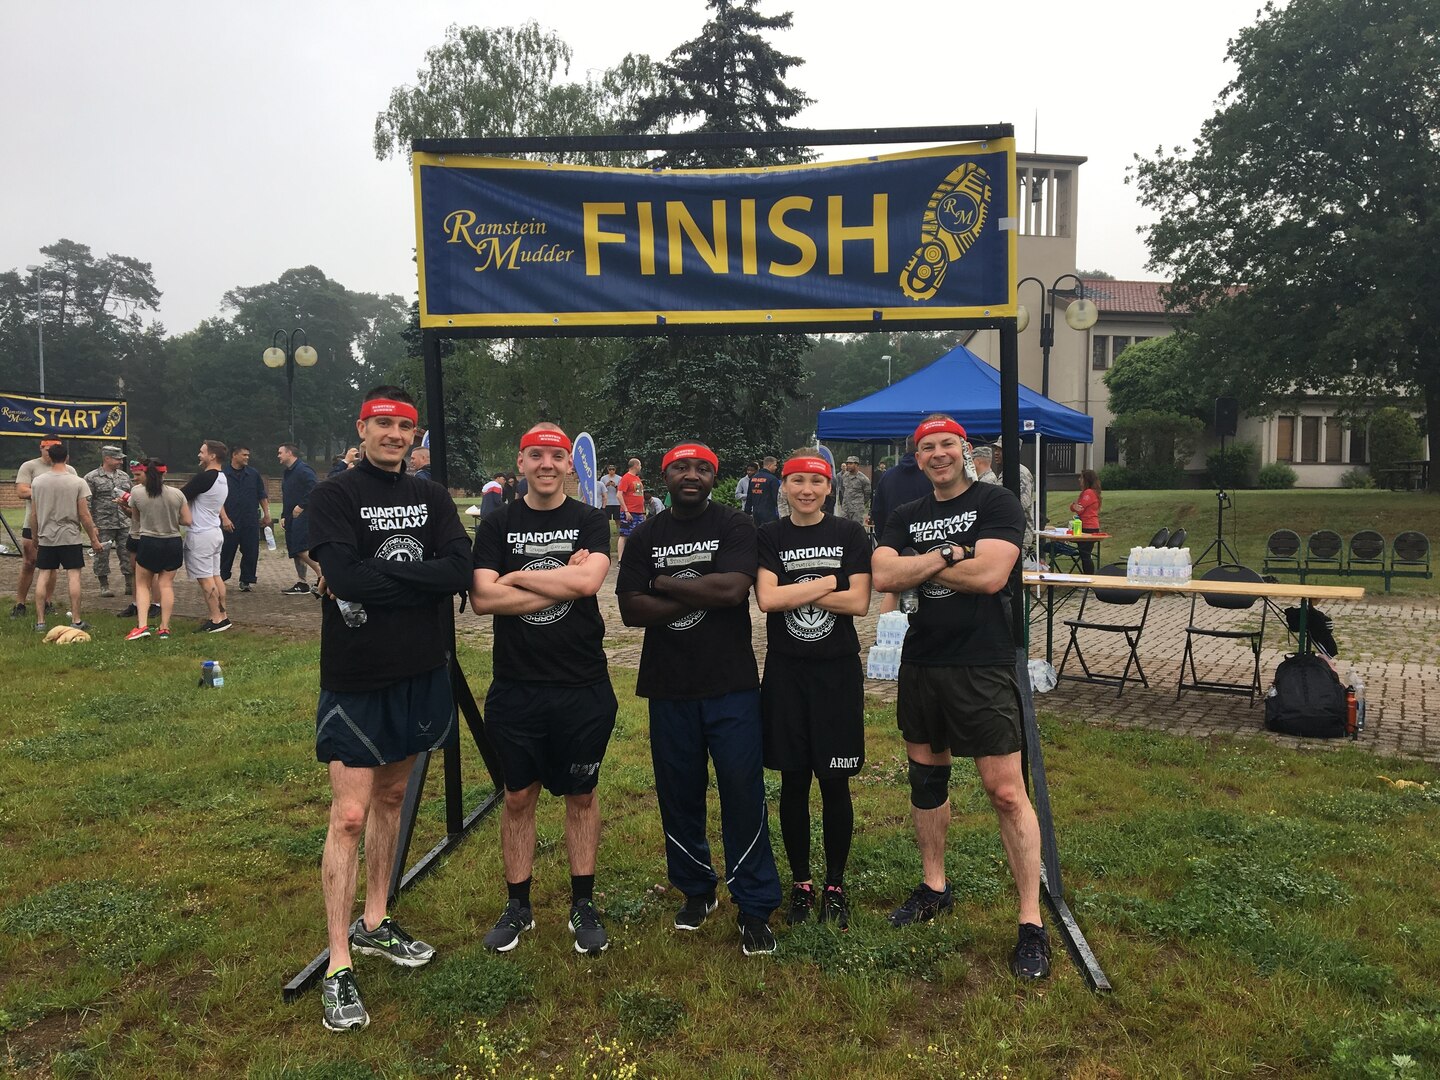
[{"x": 1307, "y": 699}]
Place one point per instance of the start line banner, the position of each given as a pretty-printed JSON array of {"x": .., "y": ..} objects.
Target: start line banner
[
  {"x": 32, "y": 417},
  {"x": 927, "y": 234}
]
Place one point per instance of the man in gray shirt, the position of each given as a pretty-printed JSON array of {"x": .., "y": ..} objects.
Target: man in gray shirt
[
  {"x": 59, "y": 521},
  {"x": 24, "y": 477}
]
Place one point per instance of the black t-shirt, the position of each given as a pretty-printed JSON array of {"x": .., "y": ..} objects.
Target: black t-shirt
[
  {"x": 798, "y": 553},
  {"x": 562, "y": 644},
  {"x": 389, "y": 516},
  {"x": 704, "y": 653},
  {"x": 956, "y": 628}
]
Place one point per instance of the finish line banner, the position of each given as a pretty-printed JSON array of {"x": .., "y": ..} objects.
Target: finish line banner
[
  {"x": 927, "y": 234},
  {"x": 32, "y": 417}
]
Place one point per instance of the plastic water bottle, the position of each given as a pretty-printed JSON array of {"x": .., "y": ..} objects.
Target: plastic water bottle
[
  {"x": 211, "y": 675},
  {"x": 1359, "y": 683},
  {"x": 269, "y": 538},
  {"x": 1132, "y": 565},
  {"x": 1187, "y": 568},
  {"x": 352, "y": 612}
]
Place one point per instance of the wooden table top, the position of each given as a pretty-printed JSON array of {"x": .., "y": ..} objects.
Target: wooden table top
[
  {"x": 1195, "y": 585},
  {"x": 1066, "y": 534}
]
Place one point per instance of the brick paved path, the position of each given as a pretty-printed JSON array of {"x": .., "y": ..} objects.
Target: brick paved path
[{"x": 1394, "y": 643}]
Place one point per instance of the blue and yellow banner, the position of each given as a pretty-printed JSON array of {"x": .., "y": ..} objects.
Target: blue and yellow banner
[
  {"x": 33, "y": 417},
  {"x": 927, "y": 234}
]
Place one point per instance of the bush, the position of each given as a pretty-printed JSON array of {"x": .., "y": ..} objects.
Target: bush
[
  {"x": 1357, "y": 478},
  {"x": 1115, "y": 478},
  {"x": 1394, "y": 437},
  {"x": 1155, "y": 446},
  {"x": 1233, "y": 466},
  {"x": 1276, "y": 476}
]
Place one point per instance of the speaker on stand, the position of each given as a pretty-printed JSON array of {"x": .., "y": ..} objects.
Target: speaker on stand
[{"x": 1227, "y": 424}]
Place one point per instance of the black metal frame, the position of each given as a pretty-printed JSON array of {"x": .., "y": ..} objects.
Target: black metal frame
[
  {"x": 1256, "y": 638},
  {"x": 457, "y": 823},
  {"x": 1132, "y": 633}
]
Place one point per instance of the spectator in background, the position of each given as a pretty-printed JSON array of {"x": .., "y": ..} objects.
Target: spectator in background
[
  {"x": 248, "y": 506},
  {"x": 420, "y": 462},
  {"x": 632, "y": 503},
  {"x": 763, "y": 500},
  {"x": 896, "y": 487},
  {"x": 296, "y": 484},
  {"x": 610, "y": 492},
  {"x": 742, "y": 486},
  {"x": 158, "y": 513},
  {"x": 206, "y": 492},
  {"x": 107, "y": 484},
  {"x": 1087, "y": 509},
  {"x": 492, "y": 495},
  {"x": 24, "y": 477},
  {"x": 59, "y": 521},
  {"x": 512, "y": 488},
  {"x": 1027, "y": 497},
  {"x": 344, "y": 461},
  {"x": 854, "y": 491}
]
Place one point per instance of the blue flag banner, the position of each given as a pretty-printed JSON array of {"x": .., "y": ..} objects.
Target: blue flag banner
[
  {"x": 65, "y": 418},
  {"x": 927, "y": 234},
  {"x": 586, "y": 472}
]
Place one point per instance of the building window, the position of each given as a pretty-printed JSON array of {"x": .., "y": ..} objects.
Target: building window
[
  {"x": 1285, "y": 438},
  {"x": 1117, "y": 347},
  {"x": 1334, "y": 439},
  {"x": 1112, "y": 447},
  {"x": 1358, "y": 449},
  {"x": 1099, "y": 352},
  {"x": 1309, "y": 440}
]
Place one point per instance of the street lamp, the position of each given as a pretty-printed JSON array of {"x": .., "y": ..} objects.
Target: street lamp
[
  {"x": 39, "y": 325},
  {"x": 886, "y": 358},
  {"x": 284, "y": 353},
  {"x": 1080, "y": 314}
]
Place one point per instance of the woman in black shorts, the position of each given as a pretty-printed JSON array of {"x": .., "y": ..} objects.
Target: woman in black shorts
[
  {"x": 814, "y": 578},
  {"x": 161, "y": 511}
]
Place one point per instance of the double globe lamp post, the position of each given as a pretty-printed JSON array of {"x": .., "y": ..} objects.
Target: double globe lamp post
[{"x": 283, "y": 352}]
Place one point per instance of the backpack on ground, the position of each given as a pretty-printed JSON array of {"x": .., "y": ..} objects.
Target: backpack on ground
[{"x": 1307, "y": 699}]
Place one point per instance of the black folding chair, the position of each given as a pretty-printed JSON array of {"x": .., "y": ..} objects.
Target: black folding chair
[
  {"x": 1282, "y": 552},
  {"x": 1367, "y": 556},
  {"x": 1161, "y": 538},
  {"x": 1130, "y": 631},
  {"x": 1177, "y": 539},
  {"x": 1410, "y": 555},
  {"x": 1323, "y": 554},
  {"x": 1055, "y": 550},
  {"x": 1224, "y": 602}
]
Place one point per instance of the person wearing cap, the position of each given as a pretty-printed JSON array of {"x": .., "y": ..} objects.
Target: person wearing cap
[
  {"x": 393, "y": 550},
  {"x": 957, "y": 692},
  {"x": 631, "y": 490},
  {"x": 24, "y": 478},
  {"x": 989, "y": 460},
  {"x": 854, "y": 491},
  {"x": 247, "y": 504},
  {"x": 59, "y": 521},
  {"x": 685, "y": 577},
  {"x": 107, "y": 510},
  {"x": 550, "y": 710},
  {"x": 814, "y": 578}
]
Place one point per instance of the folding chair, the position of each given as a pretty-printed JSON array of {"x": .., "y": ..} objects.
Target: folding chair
[
  {"x": 1056, "y": 550},
  {"x": 1367, "y": 556},
  {"x": 1161, "y": 538},
  {"x": 1322, "y": 554},
  {"x": 1282, "y": 552},
  {"x": 1130, "y": 631},
  {"x": 1177, "y": 539},
  {"x": 1227, "y": 602},
  {"x": 1412, "y": 551}
]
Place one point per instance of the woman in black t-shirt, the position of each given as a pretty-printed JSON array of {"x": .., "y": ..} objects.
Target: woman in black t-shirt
[{"x": 814, "y": 578}]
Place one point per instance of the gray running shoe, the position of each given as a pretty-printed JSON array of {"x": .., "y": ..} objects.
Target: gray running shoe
[
  {"x": 696, "y": 910},
  {"x": 390, "y": 941},
  {"x": 513, "y": 922},
  {"x": 590, "y": 936},
  {"x": 344, "y": 1011}
]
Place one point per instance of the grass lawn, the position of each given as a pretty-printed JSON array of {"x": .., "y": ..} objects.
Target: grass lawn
[{"x": 1259, "y": 911}]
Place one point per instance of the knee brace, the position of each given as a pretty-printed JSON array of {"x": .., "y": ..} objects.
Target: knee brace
[{"x": 929, "y": 785}]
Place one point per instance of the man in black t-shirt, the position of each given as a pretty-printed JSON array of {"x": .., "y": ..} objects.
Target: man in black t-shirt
[
  {"x": 958, "y": 546},
  {"x": 814, "y": 579},
  {"x": 539, "y": 561},
  {"x": 686, "y": 576},
  {"x": 392, "y": 552}
]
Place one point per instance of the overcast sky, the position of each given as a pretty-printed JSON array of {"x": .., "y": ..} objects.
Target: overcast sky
[{"x": 227, "y": 143}]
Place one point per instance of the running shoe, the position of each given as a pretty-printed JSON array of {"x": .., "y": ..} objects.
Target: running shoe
[
  {"x": 17, "y": 611},
  {"x": 835, "y": 908},
  {"x": 80, "y": 624},
  {"x": 153, "y": 611},
  {"x": 922, "y": 905},
  {"x": 298, "y": 589},
  {"x": 1031, "y": 958},
  {"x": 391, "y": 941},
  {"x": 219, "y": 627},
  {"x": 590, "y": 937},
  {"x": 204, "y": 627},
  {"x": 163, "y": 633},
  {"x": 696, "y": 910},
  {"x": 802, "y": 900},
  {"x": 244, "y": 586},
  {"x": 127, "y": 612},
  {"x": 344, "y": 1011},
  {"x": 756, "y": 937},
  {"x": 40, "y": 628},
  {"x": 138, "y": 633},
  {"x": 513, "y": 921}
]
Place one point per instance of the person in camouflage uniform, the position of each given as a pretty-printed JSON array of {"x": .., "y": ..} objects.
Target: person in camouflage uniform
[
  {"x": 854, "y": 492},
  {"x": 107, "y": 484}
]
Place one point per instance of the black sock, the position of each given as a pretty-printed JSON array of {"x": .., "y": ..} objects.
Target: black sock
[
  {"x": 519, "y": 890},
  {"x": 582, "y": 887},
  {"x": 838, "y": 826},
  {"x": 795, "y": 821}
]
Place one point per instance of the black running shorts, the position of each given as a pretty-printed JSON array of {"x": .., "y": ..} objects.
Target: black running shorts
[
  {"x": 379, "y": 727},
  {"x": 64, "y": 557},
  {"x": 556, "y": 735},
  {"x": 160, "y": 554},
  {"x": 970, "y": 711},
  {"x": 813, "y": 715}
]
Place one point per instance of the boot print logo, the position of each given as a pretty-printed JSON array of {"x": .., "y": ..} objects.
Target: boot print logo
[{"x": 953, "y": 219}]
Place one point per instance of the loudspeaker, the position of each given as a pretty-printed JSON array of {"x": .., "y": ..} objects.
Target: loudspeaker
[{"x": 1227, "y": 416}]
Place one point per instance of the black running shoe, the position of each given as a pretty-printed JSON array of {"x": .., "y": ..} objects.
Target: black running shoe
[
  {"x": 127, "y": 612},
  {"x": 513, "y": 921},
  {"x": 1031, "y": 958},
  {"x": 390, "y": 941},
  {"x": 19, "y": 609},
  {"x": 696, "y": 910},
  {"x": 590, "y": 937},
  {"x": 922, "y": 905},
  {"x": 756, "y": 937},
  {"x": 219, "y": 627},
  {"x": 834, "y": 908},
  {"x": 344, "y": 1011},
  {"x": 802, "y": 900},
  {"x": 204, "y": 627},
  {"x": 298, "y": 589}
]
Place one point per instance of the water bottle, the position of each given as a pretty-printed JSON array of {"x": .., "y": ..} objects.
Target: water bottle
[
  {"x": 211, "y": 675},
  {"x": 1132, "y": 566},
  {"x": 269, "y": 538},
  {"x": 352, "y": 612},
  {"x": 1187, "y": 568},
  {"x": 1076, "y": 528},
  {"x": 1359, "y": 683}
]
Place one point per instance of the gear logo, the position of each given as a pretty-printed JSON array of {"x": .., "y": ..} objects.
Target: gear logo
[
  {"x": 809, "y": 623},
  {"x": 555, "y": 612},
  {"x": 685, "y": 622},
  {"x": 401, "y": 548},
  {"x": 953, "y": 220}
]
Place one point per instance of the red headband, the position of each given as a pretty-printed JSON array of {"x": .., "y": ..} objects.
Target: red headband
[
  {"x": 690, "y": 450},
  {"x": 386, "y": 407},
  {"x": 139, "y": 466},
  {"x": 45, "y": 444},
  {"x": 161, "y": 469},
  {"x": 545, "y": 437},
  {"x": 930, "y": 427},
  {"x": 808, "y": 465}
]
